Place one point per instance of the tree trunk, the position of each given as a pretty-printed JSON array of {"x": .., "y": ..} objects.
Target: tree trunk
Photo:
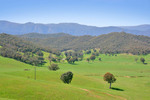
[
  {"x": 35, "y": 73},
  {"x": 110, "y": 86}
]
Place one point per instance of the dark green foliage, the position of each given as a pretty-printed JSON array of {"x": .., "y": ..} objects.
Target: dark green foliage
[
  {"x": 142, "y": 60},
  {"x": 109, "y": 78},
  {"x": 67, "y": 77},
  {"x": 53, "y": 67},
  {"x": 97, "y": 54},
  {"x": 94, "y": 50},
  {"x": 92, "y": 57}
]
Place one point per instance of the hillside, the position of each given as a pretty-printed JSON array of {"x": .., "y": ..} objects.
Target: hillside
[
  {"x": 70, "y": 28},
  {"x": 113, "y": 42}
]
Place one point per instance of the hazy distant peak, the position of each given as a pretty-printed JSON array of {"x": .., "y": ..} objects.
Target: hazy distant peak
[{"x": 70, "y": 28}]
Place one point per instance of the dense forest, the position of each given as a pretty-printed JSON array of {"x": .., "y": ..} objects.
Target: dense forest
[{"x": 116, "y": 42}]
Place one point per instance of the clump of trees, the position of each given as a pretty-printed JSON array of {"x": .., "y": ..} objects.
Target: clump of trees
[
  {"x": 73, "y": 56},
  {"x": 110, "y": 78},
  {"x": 67, "y": 77},
  {"x": 95, "y": 53},
  {"x": 53, "y": 67},
  {"x": 88, "y": 52},
  {"x": 72, "y": 60}
]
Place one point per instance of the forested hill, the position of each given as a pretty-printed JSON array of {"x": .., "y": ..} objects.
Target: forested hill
[
  {"x": 24, "y": 51},
  {"x": 118, "y": 42}
]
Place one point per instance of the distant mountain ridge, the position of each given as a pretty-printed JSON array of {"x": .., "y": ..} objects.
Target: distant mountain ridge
[
  {"x": 43, "y": 36},
  {"x": 70, "y": 28}
]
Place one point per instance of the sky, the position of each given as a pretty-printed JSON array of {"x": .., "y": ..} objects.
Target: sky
[{"x": 87, "y": 12}]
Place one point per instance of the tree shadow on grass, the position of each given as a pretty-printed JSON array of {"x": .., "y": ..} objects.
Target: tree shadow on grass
[
  {"x": 73, "y": 63},
  {"x": 117, "y": 89}
]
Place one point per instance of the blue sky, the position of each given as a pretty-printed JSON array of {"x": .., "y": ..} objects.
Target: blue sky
[{"x": 88, "y": 12}]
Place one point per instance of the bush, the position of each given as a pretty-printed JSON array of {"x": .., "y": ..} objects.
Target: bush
[
  {"x": 53, "y": 67},
  {"x": 142, "y": 60},
  {"x": 67, "y": 77},
  {"x": 100, "y": 59}
]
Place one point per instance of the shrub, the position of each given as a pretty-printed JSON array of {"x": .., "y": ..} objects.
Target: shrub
[
  {"x": 67, "y": 77},
  {"x": 53, "y": 67},
  {"x": 100, "y": 59},
  {"x": 142, "y": 60}
]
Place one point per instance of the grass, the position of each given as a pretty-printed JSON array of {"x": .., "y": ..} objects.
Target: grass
[{"x": 133, "y": 80}]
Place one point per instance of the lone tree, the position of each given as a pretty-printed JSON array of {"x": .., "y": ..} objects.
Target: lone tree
[
  {"x": 67, "y": 77},
  {"x": 53, "y": 67},
  {"x": 92, "y": 57},
  {"x": 109, "y": 78},
  {"x": 142, "y": 60}
]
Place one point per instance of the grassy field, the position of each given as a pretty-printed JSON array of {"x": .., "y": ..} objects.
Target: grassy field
[{"x": 133, "y": 80}]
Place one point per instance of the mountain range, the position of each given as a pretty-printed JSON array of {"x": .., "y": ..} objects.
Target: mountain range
[{"x": 70, "y": 28}]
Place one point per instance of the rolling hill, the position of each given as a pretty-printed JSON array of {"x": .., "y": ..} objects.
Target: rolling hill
[
  {"x": 70, "y": 28},
  {"x": 118, "y": 42}
]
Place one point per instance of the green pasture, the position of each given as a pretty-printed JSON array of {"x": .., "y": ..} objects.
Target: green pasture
[{"x": 133, "y": 79}]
